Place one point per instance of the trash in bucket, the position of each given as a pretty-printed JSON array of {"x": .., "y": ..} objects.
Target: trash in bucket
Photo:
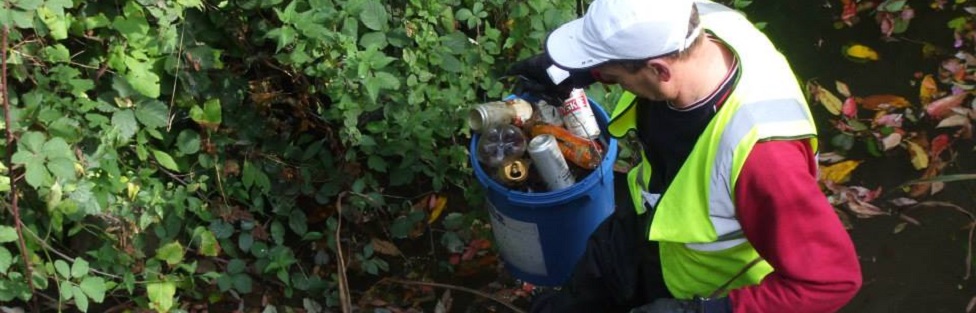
[{"x": 542, "y": 233}]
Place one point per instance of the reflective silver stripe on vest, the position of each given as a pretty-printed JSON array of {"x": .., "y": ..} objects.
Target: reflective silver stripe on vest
[{"x": 720, "y": 204}]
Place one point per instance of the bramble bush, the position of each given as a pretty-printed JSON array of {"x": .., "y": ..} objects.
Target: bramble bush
[{"x": 191, "y": 151}]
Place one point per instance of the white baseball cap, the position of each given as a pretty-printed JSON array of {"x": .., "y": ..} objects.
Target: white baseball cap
[{"x": 622, "y": 30}]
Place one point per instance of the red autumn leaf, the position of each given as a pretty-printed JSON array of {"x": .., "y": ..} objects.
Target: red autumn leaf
[
  {"x": 891, "y": 120},
  {"x": 939, "y": 144},
  {"x": 850, "y": 11},
  {"x": 942, "y": 107},
  {"x": 850, "y": 108}
]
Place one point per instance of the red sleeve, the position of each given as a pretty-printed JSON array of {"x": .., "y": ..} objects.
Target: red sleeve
[{"x": 788, "y": 220}]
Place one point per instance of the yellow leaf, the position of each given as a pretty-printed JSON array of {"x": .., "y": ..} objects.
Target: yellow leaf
[
  {"x": 861, "y": 52},
  {"x": 927, "y": 89},
  {"x": 920, "y": 158},
  {"x": 839, "y": 172},
  {"x": 829, "y": 100},
  {"x": 438, "y": 208},
  {"x": 843, "y": 89}
]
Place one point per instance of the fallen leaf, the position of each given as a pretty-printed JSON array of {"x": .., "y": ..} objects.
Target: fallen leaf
[
  {"x": 891, "y": 141},
  {"x": 891, "y": 120},
  {"x": 884, "y": 102},
  {"x": 920, "y": 158},
  {"x": 437, "y": 209},
  {"x": 928, "y": 89},
  {"x": 861, "y": 53},
  {"x": 839, "y": 172},
  {"x": 444, "y": 303},
  {"x": 830, "y": 157},
  {"x": 828, "y": 100},
  {"x": 955, "y": 120},
  {"x": 849, "y": 108},
  {"x": 842, "y": 89},
  {"x": 939, "y": 108},
  {"x": 864, "y": 209},
  {"x": 899, "y": 228},
  {"x": 385, "y": 247},
  {"x": 936, "y": 187},
  {"x": 939, "y": 144},
  {"x": 903, "y": 201}
]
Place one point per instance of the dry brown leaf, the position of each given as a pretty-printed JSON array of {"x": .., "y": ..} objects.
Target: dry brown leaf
[
  {"x": 385, "y": 247},
  {"x": 825, "y": 98},
  {"x": 884, "y": 102}
]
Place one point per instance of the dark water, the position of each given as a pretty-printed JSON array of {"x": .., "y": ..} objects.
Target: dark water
[{"x": 921, "y": 268}]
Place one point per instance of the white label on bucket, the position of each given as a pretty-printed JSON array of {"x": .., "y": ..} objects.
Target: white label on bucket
[{"x": 518, "y": 242}]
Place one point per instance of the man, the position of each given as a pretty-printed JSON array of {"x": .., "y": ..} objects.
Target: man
[{"x": 724, "y": 212}]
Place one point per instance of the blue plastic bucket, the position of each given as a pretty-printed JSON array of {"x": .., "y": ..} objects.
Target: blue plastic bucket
[{"x": 541, "y": 235}]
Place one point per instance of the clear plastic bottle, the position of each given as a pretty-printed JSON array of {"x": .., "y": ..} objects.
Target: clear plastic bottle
[{"x": 500, "y": 144}]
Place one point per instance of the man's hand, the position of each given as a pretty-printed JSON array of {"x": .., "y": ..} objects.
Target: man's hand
[{"x": 540, "y": 77}]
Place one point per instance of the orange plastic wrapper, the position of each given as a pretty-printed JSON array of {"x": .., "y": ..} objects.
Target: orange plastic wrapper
[{"x": 583, "y": 152}]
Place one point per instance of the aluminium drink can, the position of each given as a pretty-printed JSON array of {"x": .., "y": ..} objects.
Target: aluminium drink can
[
  {"x": 550, "y": 163},
  {"x": 578, "y": 116}
]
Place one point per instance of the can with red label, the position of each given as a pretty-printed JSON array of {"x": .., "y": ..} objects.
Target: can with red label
[{"x": 578, "y": 116}]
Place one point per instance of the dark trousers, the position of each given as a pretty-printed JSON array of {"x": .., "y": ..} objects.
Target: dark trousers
[{"x": 620, "y": 269}]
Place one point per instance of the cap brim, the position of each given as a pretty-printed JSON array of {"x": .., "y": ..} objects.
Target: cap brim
[{"x": 566, "y": 48}]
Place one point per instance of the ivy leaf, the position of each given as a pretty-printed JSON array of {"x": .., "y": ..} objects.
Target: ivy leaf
[
  {"x": 188, "y": 141},
  {"x": 79, "y": 268},
  {"x": 94, "y": 287},
  {"x": 6, "y": 259},
  {"x": 161, "y": 295},
  {"x": 165, "y": 160},
  {"x": 374, "y": 15},
  {"x": 81, "y": 301},
  {"x": 172, "y": 253},
  {"x": 125, "y": 120},
  {"x": 152, "y": 114}
]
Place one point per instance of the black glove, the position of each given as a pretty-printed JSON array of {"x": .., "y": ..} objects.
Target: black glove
[
  {"x": 533, "y": 78},
  {"x": 668, "y": 305}
]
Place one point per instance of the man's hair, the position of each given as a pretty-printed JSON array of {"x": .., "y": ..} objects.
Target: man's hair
[{"x": 693, "y": 22}]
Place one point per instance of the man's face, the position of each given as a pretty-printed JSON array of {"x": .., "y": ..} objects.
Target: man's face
[{"x": 644, "y": 82}]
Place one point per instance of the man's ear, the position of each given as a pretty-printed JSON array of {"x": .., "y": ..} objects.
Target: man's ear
[{"x": 661, "y": 69}]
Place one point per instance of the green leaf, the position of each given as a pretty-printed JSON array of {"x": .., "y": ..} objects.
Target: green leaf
[
  {"x": 57, "y": 53},
  {"x": 188, "y": 141},
  {"x": 141, "y": 77},
  {"x": 387, "y": 81},
  {"x": 152, "y": 114},
  {"x": 209, "y": 116},
  {"x": 377, "y": 163},
  {"x": 208, "y": 244},
  {"x": 374, "y": 15},
  {"x": 242, "y": 282},
  {"x": 94, "y": 288},
  {"x": 62, "y": 268},
  {"x": 161, "y": 295},
  {"x": 283, "y": 36},
  {"x": 245, "y": 240},
  {"x": 277, "y": 232},
  {"x": 6, "y": 259},
  {"x": 7, "y": 234},
  {"x": 36, "y": 173},
  {"x": 252, "y": 176},
  {"x": 81, "y": 301},
  {"x": 236, "y": 266},
  {"x": 56, "y": 23},
  {"x": 125, "y": 121},
  {"x": 297, "y": 221},
  {"x": 56, "y": 147},
  {"x": 28, "y": 4},
  {"x": 172, "y": 253},
  {"x": 79, "y": 268},
  {"x": 165, "y": 160},
  {"x": 63, "y": 168},
  {"x": 221, "y": 229}
]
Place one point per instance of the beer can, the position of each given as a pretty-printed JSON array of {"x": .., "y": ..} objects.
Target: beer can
[
  {"x": 578, "y": 116},
  {"x": 513, "y": 173},
  {"x": 550, "y": 163},
  {"x": 486, "y": 115}
]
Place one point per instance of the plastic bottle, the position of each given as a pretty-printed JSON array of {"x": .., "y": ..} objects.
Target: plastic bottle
[{"x": 500, "y": 144}]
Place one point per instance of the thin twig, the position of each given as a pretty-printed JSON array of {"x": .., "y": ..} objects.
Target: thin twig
[
  {"x": 176, "y": 79},
  {"x": 459, "y": 288},
  {"x": 10, "y": 152},
  {"x": 971, "y": 226},
  {"x": 344, "y": 296}
]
